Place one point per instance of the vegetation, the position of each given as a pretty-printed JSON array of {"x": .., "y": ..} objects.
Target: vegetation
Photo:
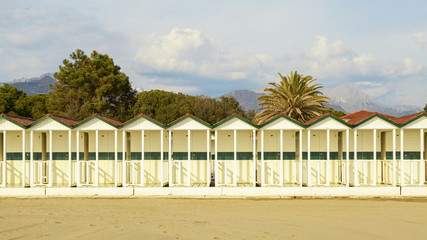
[
  {"x": 335, "y": 112},
  {"x": 88, "y": 85},
  {"x": 167, "y": 106},
  {"x": 11, "y": 100},
  {"x": 425, "y": 108},
  {"x": 295, "y": 95}
]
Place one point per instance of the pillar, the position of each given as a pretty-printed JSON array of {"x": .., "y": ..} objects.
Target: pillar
[
  {"x": 170, "y": 158},
  {"x": 328, "y": 163},
  {"x": 300, "y": 158},
  {"x": 115, "y": 159},
  {"x": 374, "y": 175},
  {"x": 70, "y": 179},
  {"x": 308, "y": 158},
  {"x": 281, "y": 158},
  {"x": 235, "y": 158},
  {"x": 254, "y": 156},
  {"x": 77, "y": 157},
  {"x": 394, "y": 159},
  {"x": 356, "y": 174},
  {"x": 208, "y": 170},
  {"x": 23, "y": 159},
  {"x": 216, "y": 159},
  {"x": 262, "y": 160},
  {"x": 96, "y": 157},
  {"x": 347, "y": 149},
  {"x": 161, "y": 158},
  {"x": 142, "y": 181}
]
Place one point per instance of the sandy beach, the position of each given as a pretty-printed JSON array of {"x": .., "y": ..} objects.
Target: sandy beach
[{"x": 150, "y": 218}]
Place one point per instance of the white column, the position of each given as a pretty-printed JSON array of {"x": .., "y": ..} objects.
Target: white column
[
  {"x": 216, "y": 159},
  {"x": 77, "y": 157},
  {"x": 421, "y": 156},
  {"x": 374, "y": 167},
  {"x": 281, "y": 158},
  {"x": 402, "y": 165},
  {"x": 70, "y": 179},
  {"x": 208, "y": 169},
  {"x": 394, "y": 158},
  {"x": 356, "y": 174},
  {"x": 96, "y": 157},
  {"x": 23, "y": 159},
  {"x": 262, "y": 160},
  {"x": 254, "y": 156},
  {"x": 347, "y": 155},
  {"x": 50, "y": 159},
  {"x": 170, "y": 158},
  {"x": 143, "y": 158},
  {"x": 4, "y": 160},
  {"x": 308, "y": 158},
  {"x": 189, "y": 159},
  {"x": 115, "y": 159},
  {"x": 161, "y": 158},
  {"x": 235, "y": 159},
  {"x": 300, "y": 158},
  {"x": 124, "y": 159},
  {"x": 328, "y": 164}
]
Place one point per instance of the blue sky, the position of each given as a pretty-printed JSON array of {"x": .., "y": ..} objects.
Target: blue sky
[{"x": 212, "y": 47}]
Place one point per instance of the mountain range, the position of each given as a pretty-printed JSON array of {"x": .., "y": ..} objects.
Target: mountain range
[
  {"x": 347, "y": 98},
  {"x": 36, "y": 85}
]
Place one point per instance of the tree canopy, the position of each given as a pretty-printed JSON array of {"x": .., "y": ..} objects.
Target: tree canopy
[
  {"x": 88, "y": 85},
  {"x": 425, "y": 108},
  {"x": 168, "y": 106},
  {"x": 295, "y": 95},
  {"x": 11, "y": 100}
]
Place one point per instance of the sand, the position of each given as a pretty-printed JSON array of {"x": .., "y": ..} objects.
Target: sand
[{"x": 149, "y": 218}]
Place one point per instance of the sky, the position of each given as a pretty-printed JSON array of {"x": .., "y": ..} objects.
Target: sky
[{"x": 213, "y": 47}]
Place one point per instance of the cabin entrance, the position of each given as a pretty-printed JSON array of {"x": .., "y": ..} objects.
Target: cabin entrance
[
  {"x": 86, "y": 165},
  {"x": 133, "y": 168},
  {"x": 2, "y": 161},
  {"x": 272, "y": 159},
  {"x": 341, "y": 168},
  {"x": 425, "y": 157},
  {"x": 41, "y": 163},
  {"x": 180, "y": 160}
]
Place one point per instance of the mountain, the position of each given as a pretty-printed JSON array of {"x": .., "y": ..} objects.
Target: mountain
[
  {"x": 347, "y": 98},
  {"x": 37, "y": 85},
  {"x": 352, "y": 99}
]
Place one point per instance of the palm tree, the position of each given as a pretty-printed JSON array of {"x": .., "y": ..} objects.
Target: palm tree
[{"x": 295, "y": 96}]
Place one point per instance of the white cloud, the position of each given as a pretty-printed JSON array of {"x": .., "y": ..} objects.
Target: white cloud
[
  {"x": 421, "y": 38},
  {"x": 185, "y": 50},
  {"x": 410, "y": 66}
]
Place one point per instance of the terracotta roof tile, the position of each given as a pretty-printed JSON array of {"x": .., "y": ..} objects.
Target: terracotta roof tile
[
  {"x": 316, "y": 118},
  {"x": 20, "y": 120},
  {"x": 405, "y": 119},
  {"x": 357, "y": 117},
  {"x": 66, "y": 120},
  {"x": 142, "y": 114},
  {"x": 108, "y": 119},
  {"x": 188, "y": 114}
]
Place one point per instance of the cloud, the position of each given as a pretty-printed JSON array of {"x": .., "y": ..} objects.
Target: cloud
[
  {"x": 186, "y": 50},
  {"x": 421, "y": 39},
  {"x": 410, "y": 66}
]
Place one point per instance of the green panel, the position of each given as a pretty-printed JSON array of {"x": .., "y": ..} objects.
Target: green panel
[
  {"x": 244, "y": 155},
  {"x": 38, "y": 156},
  {"x": 14, "y": 156},
  {"x": 411, "y": 155},
  {"x": 180, "y": 155},
  {"x": 60, "y": 155},
  {"x": 289, "y": 155},
  {"x": 198, "y": 156},
  {"x": 225, "y": 155}
]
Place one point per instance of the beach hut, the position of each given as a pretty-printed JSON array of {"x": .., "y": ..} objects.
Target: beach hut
[
  {"x": 328, "y": 140},
  {"x": 413, "y": 145},
  {"x": 98, "y": 146},
  {"x": 280, "y": 151},
  {"x": 145, "y": 149},
  {"x": 189, "y": 152},
  {"x": 13, "y": 150},
  {"x": 235, "y": 147},
  {"x": 374, "y": 147},
  {"x": 51, "y": 151}
]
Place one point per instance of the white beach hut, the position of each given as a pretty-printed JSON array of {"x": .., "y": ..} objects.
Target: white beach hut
[
  {"x": 374, "y": 148},
  {"x": 235, "y": 147},
  {"x": 51, "y": 151},
  {"x": 98, "y": 148},
  {"x": 13, "y": 155},
  {"x": 280, "y": 152},
  {"x": 189, "y": 152},
  {"x": 413, "y": 144},
  {"x": 145, "y": 149},
  {"x": 328, "y": 141}
]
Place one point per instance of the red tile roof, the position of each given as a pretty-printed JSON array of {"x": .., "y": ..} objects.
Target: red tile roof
[
  {"x": 108, "y": 119},
  {"x": 142, "y": 114},
  {"x": 357, "y": 117},
  {"x": 65, "y": 120},
  {"x": 405, "y": 119},
  {"x": 188, "y": 114},
  {"x": 20, "y": 120},
  {"x": 316, "y": 118}
]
